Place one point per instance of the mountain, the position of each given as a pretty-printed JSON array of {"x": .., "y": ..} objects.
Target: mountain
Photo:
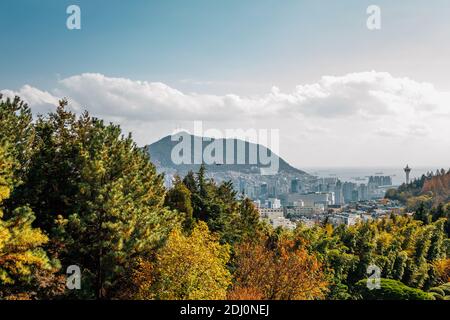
[{"x": 161, "y": 153}]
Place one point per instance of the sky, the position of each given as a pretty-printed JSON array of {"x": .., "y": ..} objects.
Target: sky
[{"x": 339, "y": 93}]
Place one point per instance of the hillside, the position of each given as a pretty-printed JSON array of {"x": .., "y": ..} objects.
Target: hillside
[
  {"x": 161, "y": 151},
  {"x": 438, "y": 186},
  {"x": 433, "y": 186}
]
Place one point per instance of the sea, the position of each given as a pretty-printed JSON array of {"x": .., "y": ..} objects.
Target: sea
[{"x": 361, "y": 174}]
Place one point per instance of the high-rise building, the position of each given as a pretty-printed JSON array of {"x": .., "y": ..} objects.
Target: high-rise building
[
  {"x": 363, "y": 192},
  {"x": 347, "y": 191},
  {"x": 355, "y": 195},
  {"x": 338, "y": 193},
  {"x": 273, "y": 203},
  {"x": 378, "y": 181}
]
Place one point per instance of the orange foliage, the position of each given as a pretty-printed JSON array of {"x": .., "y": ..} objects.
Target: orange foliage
[
  {"x": 439, "y": 186},
  {"x": 283, "y": 273},
  {"x": 245, "y": 293},
  {"x": 137, "y": 281}
]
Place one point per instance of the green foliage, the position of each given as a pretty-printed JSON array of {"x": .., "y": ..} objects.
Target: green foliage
[
  {"x": 441, "y": 292},
  {"x": 403, "y": 248},
  {"x": 390, "y": 290},
  {"x": 179, "y": 198},
  {"x": 218, "y": 206},
  {"x": 23, "y": 261},
  {"x": 97, "y": 195},
  {"x": 249, "y": 222},
  {"x": 17, "y": 130}
]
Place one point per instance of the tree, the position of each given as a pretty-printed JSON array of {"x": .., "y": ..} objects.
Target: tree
[
  {"x": 249, "y": 220},
  {"x": 390, "y": 290},
  {"x": 16, "y": 129},
  {"x": 326, "y": 244},
  {"x": 192, "y": 267},
  {"x": 422, "y": 214},
  {"x": 179, "y": 198},
  {"x": 441, "y": 292},
  {"x": 218, "y": 206},
  {"x": 240, "y": 293},
  {"x": 443, "y": 270},
  {"x": 25, "y": 267},
  {"x": 285, "y": 272},
  {"x": 97, "y": 195}
]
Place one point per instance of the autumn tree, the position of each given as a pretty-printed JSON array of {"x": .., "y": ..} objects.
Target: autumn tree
[
  {"x": 25, "y": 268},
  {"x": 442, "y": 268},
  {"x": 285, "y": 272},
  {"x": 192, "y": 266}
]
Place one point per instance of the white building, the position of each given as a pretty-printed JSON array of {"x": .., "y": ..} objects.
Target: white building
[
  {"x": 273, "y": 203},
  {"x": 269, "y": 213},
  {"x": 347, "y": 219},
  {"x": 305, "y": 210},
  {"x": 276, "y": 217},
  {"x": 311, "y": 199},
  {"x": 283, "y": 222}
]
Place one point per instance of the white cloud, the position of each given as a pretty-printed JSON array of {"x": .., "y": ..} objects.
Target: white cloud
[
  {"x": 357, "y": 107},
  {"x": 366, "y": 94},
  {"x": 41, "y": 101}
]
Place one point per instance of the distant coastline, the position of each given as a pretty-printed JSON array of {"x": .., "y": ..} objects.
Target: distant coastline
[{"x": 361, "y": 174}]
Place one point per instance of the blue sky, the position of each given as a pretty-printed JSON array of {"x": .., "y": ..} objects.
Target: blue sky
[
  {"x": 205, "y": 50},
  {"x": 262, "y": 42}
]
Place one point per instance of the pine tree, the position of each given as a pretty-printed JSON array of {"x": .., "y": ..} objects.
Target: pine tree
[
  {"x": 16, "y": 128},
  {"x": 249, "y": 220},
  {"x": 179, "y": 198},
  {"x": 98, "y": 195}
]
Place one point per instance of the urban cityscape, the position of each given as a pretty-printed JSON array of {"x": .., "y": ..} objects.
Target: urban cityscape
[{"x": 323, "y": 200}]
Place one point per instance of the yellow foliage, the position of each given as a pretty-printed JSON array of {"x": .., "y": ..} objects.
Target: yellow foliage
[
  {"x": 193, "y": 267},
  {"x": 329, "y": 229},
  {"x": 443, "y": 269},
  {"x": 20, "y": 250}
]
